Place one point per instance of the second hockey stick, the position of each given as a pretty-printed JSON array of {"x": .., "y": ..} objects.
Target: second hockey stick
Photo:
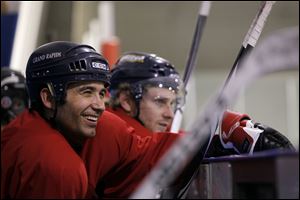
[{"x": 201, "y": 21}]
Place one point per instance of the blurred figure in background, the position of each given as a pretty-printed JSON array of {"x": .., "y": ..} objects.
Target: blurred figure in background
[{"x": 14, "y": 98}]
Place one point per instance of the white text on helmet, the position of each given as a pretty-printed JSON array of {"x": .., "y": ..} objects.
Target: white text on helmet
[
  {"x": 46, "y": 56},
  {"x": 98, "y": 65},
  {"x": 132, "y": 58}
]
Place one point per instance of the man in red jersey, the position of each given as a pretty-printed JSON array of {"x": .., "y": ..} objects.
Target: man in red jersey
[
  {"x": 145, "y": 90},
  {"x": 66, "y": 84}
]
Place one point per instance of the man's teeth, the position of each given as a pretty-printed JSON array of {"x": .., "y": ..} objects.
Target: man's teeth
[{"x": 92, "y": 118}]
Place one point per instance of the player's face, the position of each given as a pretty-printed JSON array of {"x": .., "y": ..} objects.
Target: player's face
[
  {"x": 84, "y": 105},
  {"x": 157, "y": 109}
]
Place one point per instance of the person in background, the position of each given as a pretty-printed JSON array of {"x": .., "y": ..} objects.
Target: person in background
[{"x": 14, "y": 98}]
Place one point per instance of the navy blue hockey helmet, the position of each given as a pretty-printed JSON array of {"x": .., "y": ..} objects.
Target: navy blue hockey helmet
[
  {"x": 57, "y": 64},
  {"x": 139, "y": 69},
  {"x": 14, "y": 97}
]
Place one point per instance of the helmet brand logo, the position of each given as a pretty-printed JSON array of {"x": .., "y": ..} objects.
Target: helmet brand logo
[
  {"x": 98, "y": 65},
  {"x": 132, "y": 58},
  {"x": 38, "y": 59},
  {"x": 46, "y": 56}
]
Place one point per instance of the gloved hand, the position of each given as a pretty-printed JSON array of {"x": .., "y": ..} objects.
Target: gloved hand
[
  {"x": 231, "y": 139},
  {"x": 239, "y": 132}
]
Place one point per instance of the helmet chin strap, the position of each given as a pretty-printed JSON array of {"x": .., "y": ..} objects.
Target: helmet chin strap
[
  {"x": 136, "y": 92},
  {"x": 52, "y": 118},
  {"x": 137, "y": 113}
]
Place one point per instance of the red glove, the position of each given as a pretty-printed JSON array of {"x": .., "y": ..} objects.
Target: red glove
[
  {"x": 237, "y": 131},
  {"x": 239, "y": 134}
]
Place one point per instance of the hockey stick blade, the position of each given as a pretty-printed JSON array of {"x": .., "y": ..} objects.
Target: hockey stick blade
[{"x": 278, "y": 52}]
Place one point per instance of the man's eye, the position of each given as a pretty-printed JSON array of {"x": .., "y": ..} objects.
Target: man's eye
[
  {"x": 173, "y": 103},
  {"x": 102, "y": 94},
  {"x": 160, "y": 101}
]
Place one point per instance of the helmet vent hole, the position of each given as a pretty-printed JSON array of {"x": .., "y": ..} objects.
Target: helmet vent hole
[
  {"x": 72, "y": 67},
  {"x": 161, "y": 72},
  {"x": 77, "y": 65},
  {"x": 83, "y": 65}
]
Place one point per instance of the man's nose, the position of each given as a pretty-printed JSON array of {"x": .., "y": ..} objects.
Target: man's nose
[
  {"x": 169, "y": 112},
  {"x": 98, "y": 103}
]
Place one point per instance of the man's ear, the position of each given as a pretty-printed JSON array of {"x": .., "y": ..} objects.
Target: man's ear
[
  {"x": 47, "y": 98},
  {"x": 126, "y": 102}
]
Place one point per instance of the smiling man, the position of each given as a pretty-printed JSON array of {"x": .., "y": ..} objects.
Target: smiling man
[
  {"x": 40, "y": 148},
  {"x": 78, "y": 119}
]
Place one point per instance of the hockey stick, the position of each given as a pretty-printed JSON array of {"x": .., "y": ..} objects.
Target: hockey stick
[
  {"x": 201, "y": 20},
  {"x": 278, "y": 52},
  {"x": 252, "y": 35},
  {"x": 248, "y": 44},
  {"x": 250, "y": 41}
]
